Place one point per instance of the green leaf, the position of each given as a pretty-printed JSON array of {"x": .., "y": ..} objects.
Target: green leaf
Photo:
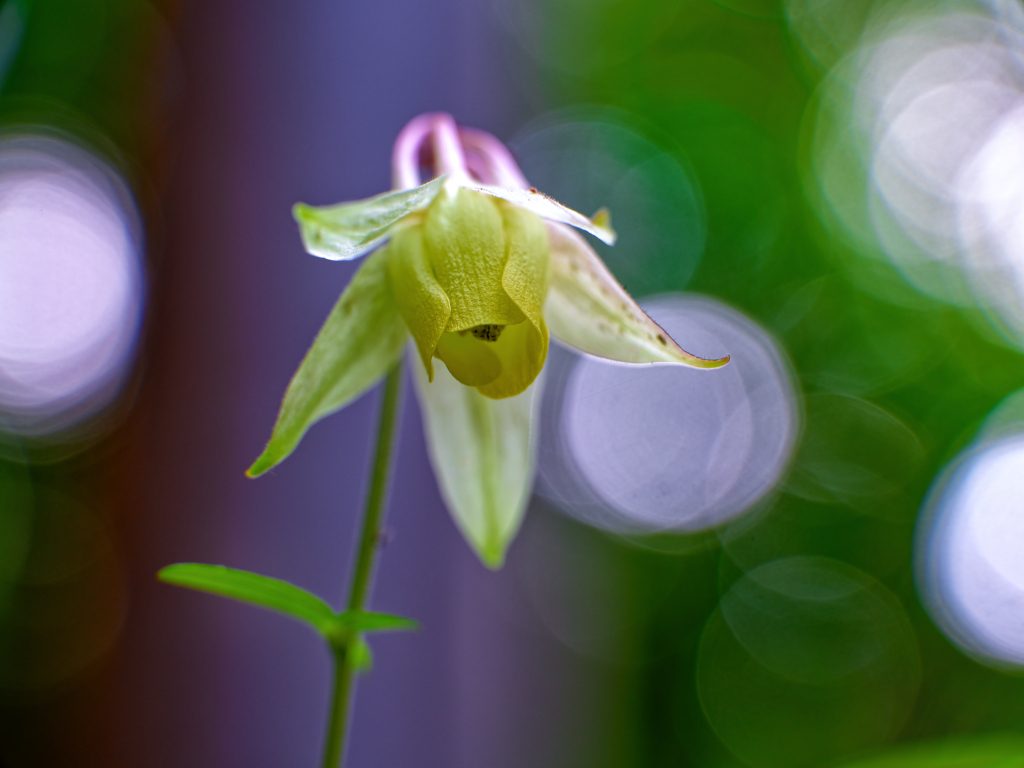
[
  {"x": 249, "y": 587},
  {"x": 483, "y": 455},
  {"x": 587, "y": 309},
  {"x": 999, "y": 750},
  {"x": 347, "y": 231},
  {"x": 369, "y": 621},
  {"x": 360, "y": 341}
]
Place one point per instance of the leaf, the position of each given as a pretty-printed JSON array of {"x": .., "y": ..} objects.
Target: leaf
[
  {"x": 483, "y": 454},
  {"x": 359, "y": 342},
  {"x": 587, "y": 309},
  {"x": 997, "y": 750},
  {"x": 348, "y": 230},
  {"x": 548, "y": 208},
  {"x": 370, "y": 621},
  {"x": 249, "y": 587}
]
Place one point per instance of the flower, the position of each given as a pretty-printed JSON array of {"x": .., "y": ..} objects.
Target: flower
[
  {"x": 470, "y": 279},
  {"x": 479, "y": 269}
]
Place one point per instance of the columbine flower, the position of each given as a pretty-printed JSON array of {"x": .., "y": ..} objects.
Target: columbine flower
[{"x": 478, "y": 268}]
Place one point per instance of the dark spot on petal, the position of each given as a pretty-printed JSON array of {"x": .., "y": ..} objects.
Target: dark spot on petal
[
  {"x": 662, "y": 339},
  {"x": 487, "y": 332},
  {"x": 533, "y": 190}
]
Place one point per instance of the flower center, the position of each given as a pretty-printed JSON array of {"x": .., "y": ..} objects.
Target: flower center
[{"x": 487, "y": 332}]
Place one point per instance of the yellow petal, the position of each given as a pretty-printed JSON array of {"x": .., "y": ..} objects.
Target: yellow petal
[
  {"x": 522, "y": 349},
  {"x": 422, "y": 302},
  {"x": 491, "y": 260},
  {"x": 465, "y": 241},
  {"x": 468, "y": 359},
  {"x": 528, "y": 266}
]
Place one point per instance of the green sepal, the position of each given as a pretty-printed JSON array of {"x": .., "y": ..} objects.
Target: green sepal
[
  {"x": 588, "y": 310},
  {"x": 348, "y": 230},
  {"x": 599, "y": 225},
  {"x": 483, "y": 453},
  {"x": 360, "y": 341},
  {"x": 253, "y": 588}
]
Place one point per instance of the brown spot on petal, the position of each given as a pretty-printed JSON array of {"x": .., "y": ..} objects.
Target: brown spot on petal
[{"x": 487, "y": 332}]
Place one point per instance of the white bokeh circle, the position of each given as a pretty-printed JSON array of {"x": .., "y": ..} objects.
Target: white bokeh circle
[
  {"x": 969, "y": 542},
  {"x": 656, "y": 448},
  {"x": 70, "y": 283}
]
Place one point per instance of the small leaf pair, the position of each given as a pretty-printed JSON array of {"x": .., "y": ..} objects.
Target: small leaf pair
[{"x": 340, "y": 630}]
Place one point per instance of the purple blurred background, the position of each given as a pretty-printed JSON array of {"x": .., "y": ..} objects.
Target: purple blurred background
[{"x": 287, "y": 102}]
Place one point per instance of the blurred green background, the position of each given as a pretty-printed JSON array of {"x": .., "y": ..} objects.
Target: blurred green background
[{"x": 797, "y": 635}]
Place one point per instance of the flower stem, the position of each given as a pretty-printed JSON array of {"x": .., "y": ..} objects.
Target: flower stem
[{"x": 362, "y": 572}]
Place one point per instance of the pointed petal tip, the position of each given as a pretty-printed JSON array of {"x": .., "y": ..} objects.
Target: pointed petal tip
[
  {"x": 602, "y": 222},
  {"x": 255, "y": 470},
  {"x": 493, "y": 557},
  {"x": 700, "y": 362},
  {"x": 261, "y": 465},
  {"x": 550, "y": 209}
]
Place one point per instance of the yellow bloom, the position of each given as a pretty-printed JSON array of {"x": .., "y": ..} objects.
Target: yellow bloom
[
  {"x": 470, "y": 280},
  {"x": 478, "y": 268}
]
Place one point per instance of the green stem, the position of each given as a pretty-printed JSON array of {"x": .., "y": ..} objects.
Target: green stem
[{"x": 362, "y": 573}]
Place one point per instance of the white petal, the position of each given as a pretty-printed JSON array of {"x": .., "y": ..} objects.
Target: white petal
[
  {"x": 599, "y": 225},
  {"x": 483, "y": 453},
  {"x": 587, "y": 309}
]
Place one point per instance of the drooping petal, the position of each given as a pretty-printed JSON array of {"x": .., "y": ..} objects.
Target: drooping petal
[
  {"x": 359, "y": 342},
  {"x": 465, "y": 242},
  {"x": 483, "y": 454},
  {"x": 421, "y": 300},
  {"x": 471, "y": 361},
  {"x": 522, "y": 348},
  {"x": 347, "y": 231},
  {"x": 599, "y": 225},
  {"x": 527, "y": 272},
  {"x": 587, "y": 309}
]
